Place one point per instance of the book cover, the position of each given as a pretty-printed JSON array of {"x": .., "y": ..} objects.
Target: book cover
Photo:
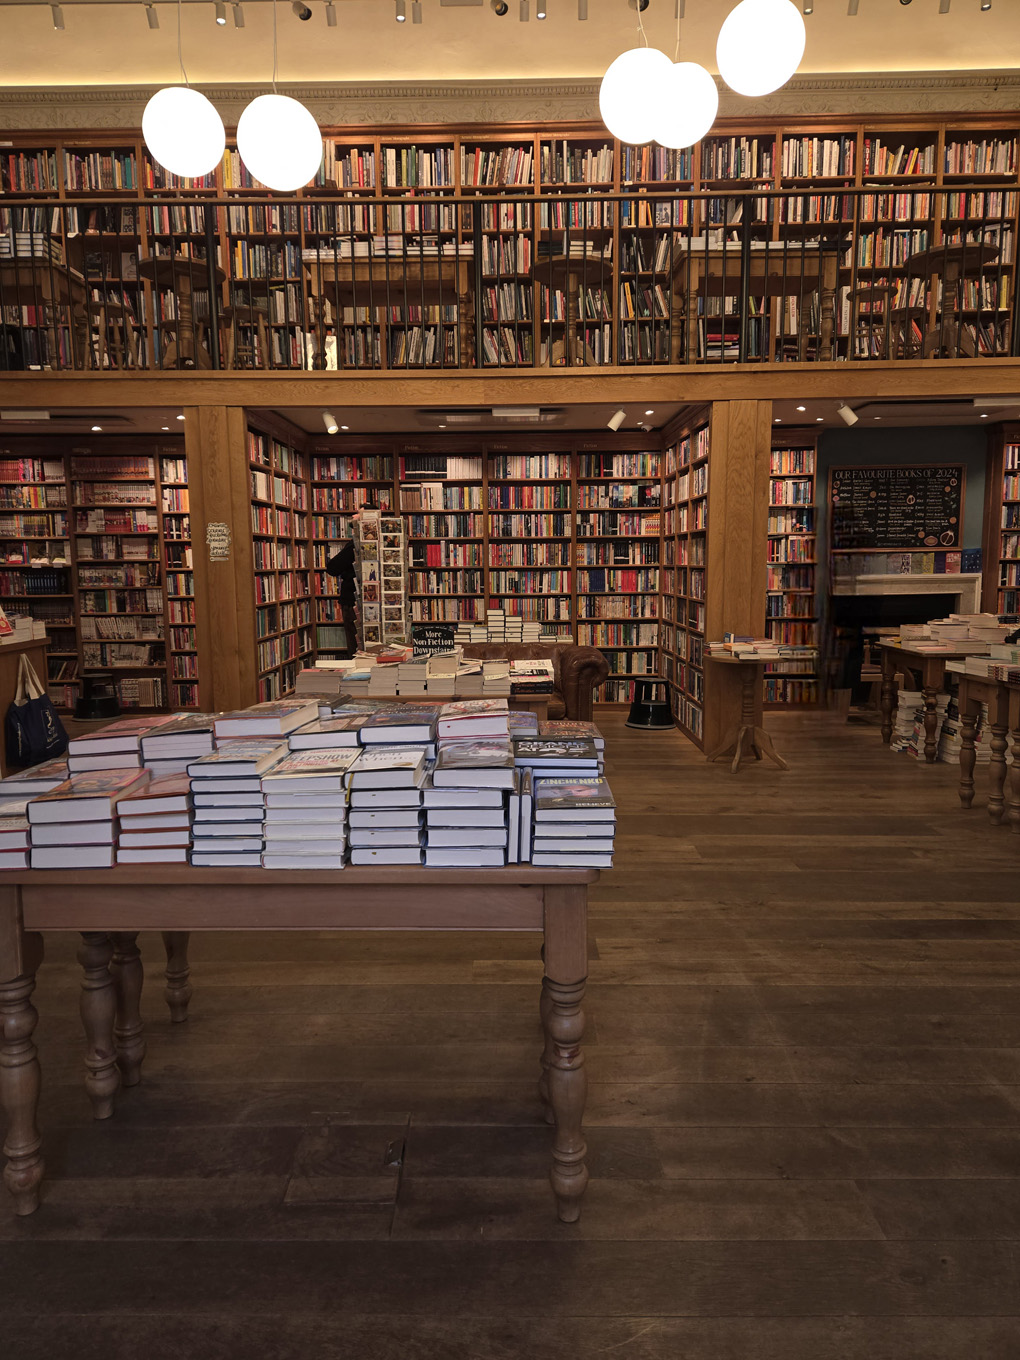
[
  {"x": 570, "y": 729},
  {"x": 275, "y": 716},
  {"x": 174, "y": 789},
  {"x": 37, "y": 779},
  {"x": 572, "y": 796},
  {"x": 86, "y": 796},
  {"x": 479, "y": 754},
  {"x": 385, "y": 758},
  {"x": 297, "y": 764},
  {"x": 523, "y": 724},
  {"x": 167, "y": 737},
  {"x": 124, "y": 735},
  {"x": 251, "y": 756},
  {"x": 473, "y": 708},
  {"x": 401, "y": 722},
  {"x": 337, "y": 730},
  {"x": 545, "y": 751}
]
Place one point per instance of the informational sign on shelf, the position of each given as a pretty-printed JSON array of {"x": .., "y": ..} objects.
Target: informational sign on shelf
[
  {"x": 217, "y": 537},
  {"x": 905, "y": 509},
  {"x": 428, "y": 638}
]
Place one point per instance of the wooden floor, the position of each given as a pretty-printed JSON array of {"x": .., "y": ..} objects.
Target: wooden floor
[{"x": 804, "y": 1116}]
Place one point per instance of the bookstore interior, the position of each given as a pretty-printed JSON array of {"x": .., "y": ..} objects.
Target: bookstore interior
[{"x": 388, "y": 473}]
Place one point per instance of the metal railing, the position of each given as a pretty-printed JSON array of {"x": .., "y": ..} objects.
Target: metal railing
[{"x": 511, "y": 281}]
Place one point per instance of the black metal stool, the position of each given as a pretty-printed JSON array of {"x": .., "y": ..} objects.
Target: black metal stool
[
  {"x": 98, "y": 698},
  {"x": 647, "y": 711}
]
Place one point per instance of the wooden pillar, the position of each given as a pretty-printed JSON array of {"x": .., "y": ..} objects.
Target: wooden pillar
[
  {"x": 220, "y": 498},
  {"x": 738, "y": 499}
]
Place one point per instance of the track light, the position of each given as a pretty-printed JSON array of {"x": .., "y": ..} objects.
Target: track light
[
  {"x": 943, "y": 6},
  {"x": 582, "y": 9},
  {"x": 302, "y": 11},
  {"x": 986, "y": 4},
  {"x": 852, "y": 6},
  {"x": 846, "y": 414},
  {"x": 58, "y": 17},
  {"x": 809, "y": 6},
  {"x": 401, "y": 12},
  {"x": 616, "y": 419},
  {"x": 151, "y": 17},
  {"x": 540, "y": 9},
  {"x": 330, "y": 14},
  {"x": 221, "y": 13},
  {"x": 330, "y": 423},
  {"x": 525, "y": 12},
  {"x": 499, "y": 7},
  {"x": 415, "y": 11},
  {"x": 238, "y": 15}
]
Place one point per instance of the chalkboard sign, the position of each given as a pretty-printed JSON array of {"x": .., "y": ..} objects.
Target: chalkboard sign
[
  {"x": 427, "y": 638},
  {"x": 902, "y": 508}
]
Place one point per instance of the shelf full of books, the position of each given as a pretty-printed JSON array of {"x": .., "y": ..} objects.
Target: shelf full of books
[
  {"x": 790, "y": 605},
  {"x": 95, "y": 544},
  {"x": 1005, "y": 533}
]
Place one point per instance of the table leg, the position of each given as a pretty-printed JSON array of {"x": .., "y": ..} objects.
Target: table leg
[
  {"x": 178, "y": 973},
  {"x": 98, "y": 1011},
  {"x": 997, "y": 772},
  {"x": 128, "y": 976},
  {"x": 1014, "y": 784},
  {"x": 888, "y": 695},
  {"x": 968, "y": 755},
  {"x": 20, "y": 1080},
  {"x": 545, "y": 1011},
  {"x": 565, "y": 952},
  {"x": 931, "y": 745}
]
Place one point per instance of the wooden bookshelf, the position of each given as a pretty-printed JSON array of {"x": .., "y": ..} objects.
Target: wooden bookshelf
[
  {"x": 790, "y": 602},
  {"x": 1001, "y": 584},
  {"x": 684, "y": 576}
]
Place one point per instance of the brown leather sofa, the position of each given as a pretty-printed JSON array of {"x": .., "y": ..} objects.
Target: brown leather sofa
[{"x": 576, "y": 671}]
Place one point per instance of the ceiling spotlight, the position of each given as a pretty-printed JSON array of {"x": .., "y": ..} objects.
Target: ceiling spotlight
[
  {"x": 809, "y": 6},
  {"x": 164, "y": 427},
  {"x": 180, "y": 417},
  {"x": 540, "y": 9},
  {"x": 852, "y": 5},
  {"x": 330, "y": 423},
  {"x": 345, "y": 427},
  {"x": 97, "y": 429},
  {"x": 846, "y": 414},
  {"x": 818, "y": 420},
  {"x": 649, "y": 413},
  {"x": 525, "y": 13},
  {"x": 151, "y": 17},
  {"x": 401, "y": 12},
  {"x": 58, "y": 16},
  {"x": 302, "y": 11},
  {"x": 616, "y": 419},
  {"x": 238, "y": 15},
  {"x": 330, "y": 14},
  {"x": 777, "y": 420},
  {"x": 221, "y": 13},
  {"x": 984, "y": 415},
  {"x": 582, "y": 9},
  {"x": 986, "y": 4},
  {"x": 499, "y": 7},
  {"x": 801, "y": 408},
  {"x": 943, "y": 6},
  {"x": 415, "y": 11}
]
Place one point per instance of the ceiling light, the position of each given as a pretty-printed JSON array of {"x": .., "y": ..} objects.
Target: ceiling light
[
  {"x": 329, "y": 422},
  {"x": 943, "y": 6},
  {"x": 852, "y": 5},
  {"x": 846, "y": 415},
  {"x": 345, "y": 427},
  {"x": 876, "y": 417},
  {"x": 183, "y": 131},
  {"x": 688, "y": 101},
  {"x": 279, "y": 142},
  {"x": 330, "y": 14},
  {"x": 631, "y": 94},
  {"x": 984, "y": 415},
  {"x": 238, "y": 16},
  {"x": 649, "y": 413},
  {"x": 760, "y": 45},
  {"x": 401, "y": 12},
  {"x": 415, "y": 11},
  {"x": 777, "y": 420},
  {"x": 301, "y": 11},
  {"x": 525, "y": 13},
  {"x": 58, "y": 16},
  {"x": 501, "y": 8},
  {"x": 986, "y": 4},
  {"x": 540, "y": 9},
  {"x": 164, "y": 427},
  {"x": 180, "y": 417},
  {"x": 582, "y": 9},
  {"x": 809, "y": 6},
  {"x": 97, "y": 429},
  {"x": 221, "y": 13},
  {"x": 818, "y": 420},
  {"x": 151, "y": 17},
  {"x": 616, "y": 419},
  {"x": 801, "y": 408}
]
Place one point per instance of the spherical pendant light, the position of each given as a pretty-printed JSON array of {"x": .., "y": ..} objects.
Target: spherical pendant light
[
  {"x": 760, "y": 45},
  {"x": 279, "y": 141},
  {"x": 629, "y": 97},
  {"x": 688, "y": 103},
  {"x": 183, "y": 131}
]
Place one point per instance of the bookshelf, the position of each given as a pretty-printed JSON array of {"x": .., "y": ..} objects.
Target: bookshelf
[
  {"x": 284, "y": 633},
  {"x": 790, "y": 601},
  {"x": 1001, "y": 594},
  {"x": 530, "y": 500},
  {"x": 179, "y": 577}
]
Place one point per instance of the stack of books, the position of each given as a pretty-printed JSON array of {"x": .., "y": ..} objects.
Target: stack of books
[
  {"x": 472, "y": 815},
  {"x": 29, "y": 783},
  {"x": 385, "y": 785},
  {"x": 574, "y": 824},
  {"x": 274, "y": 718},
  {"x": 325, "y": 677},
  {"x": 412, "y": 677},
  {"x": 226, "y": 792},
  {"x": 14, "y": 833},
  {"x": 75, "y": 825},
  {"x": 155, "y": 822},
  {"x": 532, "y": 677},
  {"x": 169, "y": 748},
  {"x": 558, "y": 757},
  {"x": 114, "y": 747},
  {"x": 305, "y": 797}
]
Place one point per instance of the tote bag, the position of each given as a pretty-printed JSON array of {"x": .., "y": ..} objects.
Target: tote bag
[{"x": 33, "y": 732}]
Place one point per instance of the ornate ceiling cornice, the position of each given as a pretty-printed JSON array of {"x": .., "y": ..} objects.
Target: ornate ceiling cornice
[{"x": 405, "y": 103}]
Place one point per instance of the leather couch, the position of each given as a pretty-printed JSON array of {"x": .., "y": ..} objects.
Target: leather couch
[{"x": 576, "y": 671}]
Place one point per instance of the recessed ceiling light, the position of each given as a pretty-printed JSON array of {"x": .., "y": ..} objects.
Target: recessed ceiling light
[
  {"x": 164, "y": 427},
  {"x": 817, "y": 419},
  {"x": 984, "y": 415},
  {"x": 801, "y": 408},
  {"x": 777, "y": 420},
  {"x": 181, "y": 417},
  {"x": 649, "y": 413},
  {"x": 878, "y": 417},
  {"x": 345, "y": 427},
  {"x": 97, "y": 429}
]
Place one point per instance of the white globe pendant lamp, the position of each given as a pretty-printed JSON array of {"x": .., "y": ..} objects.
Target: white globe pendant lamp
[
  {"x": 631, "y": 93},
  {"x": 279, "y": 142},
  {"x": 183, "y": 131},
  {"x": 760, "y": 45},
  {"x": 688, "y": 104}
]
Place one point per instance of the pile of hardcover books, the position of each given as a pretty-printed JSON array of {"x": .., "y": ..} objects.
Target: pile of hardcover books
[{"x": 573, "y": 812}]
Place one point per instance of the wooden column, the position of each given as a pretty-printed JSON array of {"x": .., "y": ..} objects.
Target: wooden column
[
  {"x": 220, "y": 495},
  {"x": 738, "y": 497}
]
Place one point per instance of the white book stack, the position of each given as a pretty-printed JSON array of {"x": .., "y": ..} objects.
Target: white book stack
[
  {"x": 75, "y": 825},
  {"x": 472, "y": 809},
  {"x": 496, "y": 679},
  {"x": 531, "y": 630},
  {"x": 306, "y": 809},
  {"x": 155, "y": 824},
  {"x": 385, "y": 785},
  {"x": 170, "y": 748},
  {"x": 14, "y": 833},
  {"x": 116, "y": 746},
  {"x": 574, "y": 824},
  {"x": 229, "y": 810}
]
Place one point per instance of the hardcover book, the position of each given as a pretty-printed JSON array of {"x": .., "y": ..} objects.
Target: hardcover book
[
  {"x": 324, "y": 771},
  {"x": 122, "y": 736},
  {"x": 237, "y": 759},
  {"x": 87, "y": 797},
  {"x": 38, "y": 779},
  {"x": 187, "y": 734},
  {"x": 481, "y": 763},
  {"x": 572, "y": 729},
  {"x": 536, "y": 752},
  {"x": 169, "y": 793},
  {"x": 474, "y": 718},
  {"x": 14, "y": 825},
  {"x": 275, "y": 718},
  {"x": 524, "y": 724},
  {"x": 325, "y": 733},
  {"x": 388, "y": 767},
  {"x": 582, "y": 800},
  {"x": 400, "y": 723}
]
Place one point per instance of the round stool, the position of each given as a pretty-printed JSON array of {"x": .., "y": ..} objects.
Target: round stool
[
  {"x": 649, "y": 711},
  {"x": 98, "y": 698}
]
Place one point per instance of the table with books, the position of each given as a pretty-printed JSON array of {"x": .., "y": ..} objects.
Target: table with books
[
  {"x": 291, "y": 815},
  {"x": 985, "y": 687},
  {"x": 930, "y": 666}
]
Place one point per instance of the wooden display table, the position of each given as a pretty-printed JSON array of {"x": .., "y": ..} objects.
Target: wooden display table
[
  {"x": 109, "y": 907},
  {"x": 571, "y": 273},
  {"x": 10, "y": 656},
  {"x": 952, "y": 264},
  {"x": 185, "y": 276},
  {"x": 1003, "y": 714},
  {"x": 932, "y": 669},
  {"x": 746, "y": 737}
]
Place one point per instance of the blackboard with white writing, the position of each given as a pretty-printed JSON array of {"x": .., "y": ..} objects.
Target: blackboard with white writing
[
  {"x": 427, "y": 638},
  {"x": 899, "y": 508}
]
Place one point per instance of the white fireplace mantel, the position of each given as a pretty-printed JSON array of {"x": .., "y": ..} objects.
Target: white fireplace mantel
[{"x": 966, "y": 588}]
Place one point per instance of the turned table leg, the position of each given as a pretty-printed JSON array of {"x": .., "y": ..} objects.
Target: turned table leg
[
  {"x": 931, "y": 745},
  {"x": 1014, "y": 784},
  {"x": 888, "y": 695},
  {"x": 568, "y": 1089},
  {"x": 128, "y": 977},
  {"x": 20, "y": 1080},
  {"x": 98, "y": 1012},
  {"x": 968, "y": 756},
  {"x": 997, "y": 771},
  {"x": 178, "y": 973}
]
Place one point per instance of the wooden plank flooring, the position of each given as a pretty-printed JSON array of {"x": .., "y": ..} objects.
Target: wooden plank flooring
[{"x": 804, "y": 1116}]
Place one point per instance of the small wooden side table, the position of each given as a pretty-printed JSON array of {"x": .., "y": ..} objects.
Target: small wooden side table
[{"x": 746, "y": 737}]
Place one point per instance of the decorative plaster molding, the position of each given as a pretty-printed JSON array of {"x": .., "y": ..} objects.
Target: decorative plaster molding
[{"x": 565, "y": 101}]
